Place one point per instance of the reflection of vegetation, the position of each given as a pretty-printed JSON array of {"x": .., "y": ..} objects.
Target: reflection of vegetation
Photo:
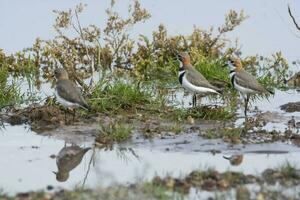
[{"x": 160, "y": 192}]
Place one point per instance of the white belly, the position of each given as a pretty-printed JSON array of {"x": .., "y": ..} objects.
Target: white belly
[
  {"x": 242, "y": 89},
  {"x": 187, "y": 85},
  {"x": 63, "y": 102}
]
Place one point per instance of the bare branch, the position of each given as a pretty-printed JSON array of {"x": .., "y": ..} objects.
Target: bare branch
[
  {"x": 86, "y": 48},
  {"x": 293, "y": 18}
]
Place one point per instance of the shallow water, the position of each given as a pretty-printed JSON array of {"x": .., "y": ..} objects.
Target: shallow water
[{"x": 26, "y": 163}]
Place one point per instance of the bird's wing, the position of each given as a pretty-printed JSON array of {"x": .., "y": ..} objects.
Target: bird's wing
[
  {"x": 246, "y": 80},
  {"x": 197, "y": 79},
  {"x": 70, "y": 92}
]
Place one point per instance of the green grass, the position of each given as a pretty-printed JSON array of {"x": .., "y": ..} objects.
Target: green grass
[
  {"x": 203, "y": 112},
  {"x": 9, "y": 94},
  {"x": 114, "y": 132},
  {"x": 288, "y": 171},
  {"x": 121, "y": 96},
  {"x": 223, "y": 133},
  {"x": 212, "y": 69}
]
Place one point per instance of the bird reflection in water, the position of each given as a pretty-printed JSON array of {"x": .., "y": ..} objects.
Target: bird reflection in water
[
  {"x": 67, "y": 159},
  {"x": 235, "y": 160}
]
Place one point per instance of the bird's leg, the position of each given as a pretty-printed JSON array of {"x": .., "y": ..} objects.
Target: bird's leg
[
  {"x": 74, "y": 114},
  {"x": 65, "y": 111},
  {"x": 246, "y": 104},
  {"x": 194, "y": 100}
]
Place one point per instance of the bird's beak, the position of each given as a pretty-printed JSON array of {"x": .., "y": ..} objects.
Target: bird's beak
[{"x": 54, "y": 172}]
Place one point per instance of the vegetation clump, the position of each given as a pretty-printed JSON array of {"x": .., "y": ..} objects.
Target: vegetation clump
[
  {"x": 122, "y": 96},
  {"x": 9, "y": 93},
  {"x": 120, "y": 74},
  {"x": 113, "y": 132}
]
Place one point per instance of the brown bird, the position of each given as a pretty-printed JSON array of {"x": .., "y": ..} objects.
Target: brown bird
[
  {"x": 235, "y": 160},
  {"x": 244, "y": 82},
  {"x": 67, "y": 93},
  {"x": 193, "y": 80},
  {"x": 67, "y": 159}
]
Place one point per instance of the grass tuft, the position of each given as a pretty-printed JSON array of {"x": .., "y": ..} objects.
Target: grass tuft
[
  {"x": 203, "y": 112},
  {"x": 289, "y": 171},
  {"x": 114, "y": 132},
  {"x": 9, "y": 94},
  {"x": 120, "y": 96}
]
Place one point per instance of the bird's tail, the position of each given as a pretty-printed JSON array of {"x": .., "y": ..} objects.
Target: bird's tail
[
  {"x": 227, "y": 158},
  {"x": 220, "y": 91},
  {"x": 85, "y": 106}
]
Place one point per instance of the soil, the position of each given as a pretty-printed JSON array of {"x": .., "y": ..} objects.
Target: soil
[{"x": 291, "y": 107}]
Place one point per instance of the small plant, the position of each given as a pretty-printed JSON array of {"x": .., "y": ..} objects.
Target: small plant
[
  {"x": 289, "y": 171},
  {"x": 114, "y": 132},
  {"x": 232, "y": 135},
  {"x": 9, "y": 93}
]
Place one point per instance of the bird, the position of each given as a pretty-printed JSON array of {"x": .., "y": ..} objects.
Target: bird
[
  {"x": 67, "y": 159},
  {"x": 235, "y": 160},
  {"x": 67, "y": 93},
  {"x": 192, "y": 80},
  {"x": 245, "y": 83}
]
